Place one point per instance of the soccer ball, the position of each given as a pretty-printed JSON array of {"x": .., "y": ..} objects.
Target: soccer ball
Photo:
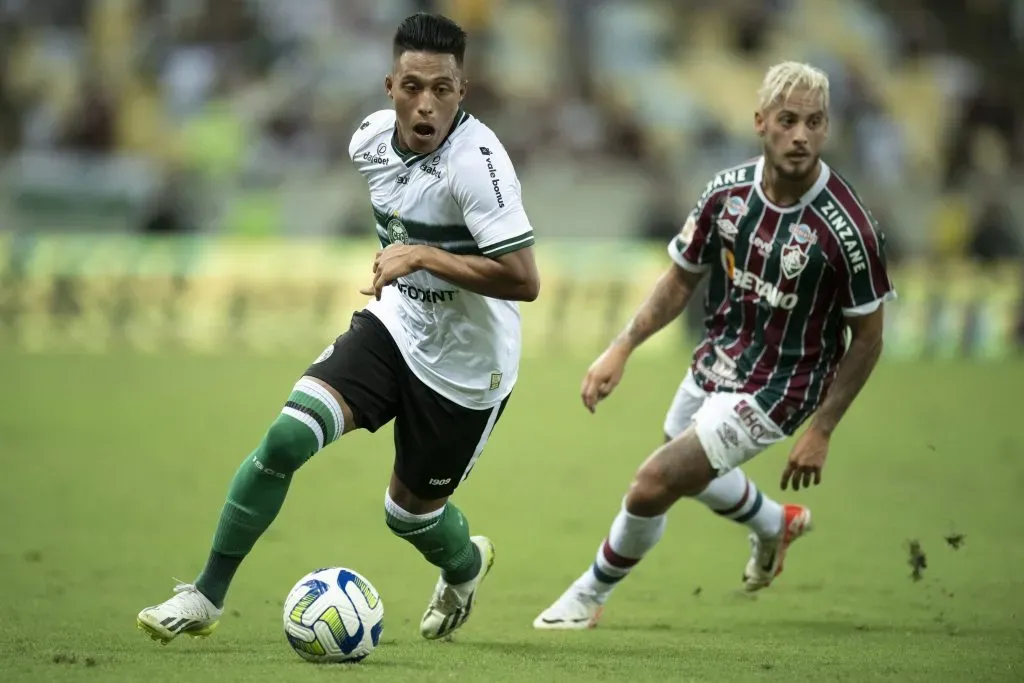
[{"x": 333, "y": 615}]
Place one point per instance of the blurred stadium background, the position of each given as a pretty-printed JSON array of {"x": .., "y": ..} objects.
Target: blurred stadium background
[
  {"x": 181, "y": 233},
  {"x": 221, "y": 122}
]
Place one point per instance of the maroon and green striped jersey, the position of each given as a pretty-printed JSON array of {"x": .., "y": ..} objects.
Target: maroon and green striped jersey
[{"x": 781, "y": 282}]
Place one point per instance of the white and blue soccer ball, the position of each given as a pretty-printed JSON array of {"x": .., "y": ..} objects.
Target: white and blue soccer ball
[{"x": 333, "y": 615}]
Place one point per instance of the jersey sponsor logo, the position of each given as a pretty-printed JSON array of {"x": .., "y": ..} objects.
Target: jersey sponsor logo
[
  {"x": 727, "y": 229},
  {"x": 762, "y": 245},
  {"x": 720, "y": 368},
  {"x": 766, "y": 291},
  {"x": 736, "y": 175},
  {"x": 379, "y": 157},
  {"x": 431, "y": 168},
  {"x": 847, "y": 238},
  {"x": 397, "y": 234},
  {"x": 495, "y": 181},
  {"x": 427, "y": 296},
  {"x": 753, "y": 423},
  {"x": 795, "y": 253}
]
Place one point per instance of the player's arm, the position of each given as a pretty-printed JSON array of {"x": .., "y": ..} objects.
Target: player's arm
[
  {"x": 691, "y": 252},
  {"x": 484, "y": 184},
  {"x": 854, "y": 370},
  {"x": 863, "y": 300},
  {"x": 512, "y": 276},
  {"x": 666, "y": 301}
]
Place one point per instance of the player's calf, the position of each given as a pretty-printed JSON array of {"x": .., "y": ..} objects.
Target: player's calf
[
  {"x": 677, "y": 469},
  {"x": 441, "y": 535},
  {"x": 311, "y": 418}
]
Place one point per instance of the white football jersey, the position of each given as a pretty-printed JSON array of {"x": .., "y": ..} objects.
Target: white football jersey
[{"x": 463, "y": 198}]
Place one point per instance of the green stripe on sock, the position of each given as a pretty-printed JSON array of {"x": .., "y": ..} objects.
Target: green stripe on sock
[
  {"x": 320, "y": 408},
  {"x": 443, "y": 541}
]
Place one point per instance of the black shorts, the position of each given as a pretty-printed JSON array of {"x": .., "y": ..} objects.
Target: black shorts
[{"x": 437, "y": 441}]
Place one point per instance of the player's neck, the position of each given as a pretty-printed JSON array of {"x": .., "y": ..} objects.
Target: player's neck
[{"x": 783, "y": 192}]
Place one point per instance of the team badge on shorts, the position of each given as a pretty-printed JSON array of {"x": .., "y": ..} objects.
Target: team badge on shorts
[
  {"x": 325, "y": 354},
  {"x": 397, "y": 234}
]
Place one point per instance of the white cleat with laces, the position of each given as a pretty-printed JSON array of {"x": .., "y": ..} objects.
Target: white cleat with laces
[
  {"x": 577, "y": 608},
  {"x": 450, "y": 605},
  {"x": 187, "y": 612}
]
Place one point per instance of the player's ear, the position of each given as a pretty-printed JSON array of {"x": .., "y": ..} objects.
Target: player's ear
[
  {"x": 463, "y": 87},
  {"x": 388, "y": 85},
  {"x": 759, "y": 123}
]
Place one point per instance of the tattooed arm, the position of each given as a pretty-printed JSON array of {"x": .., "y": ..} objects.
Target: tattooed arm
[
  {"x": 663, "y": 305},
  {"x": 670, "y": 296}
]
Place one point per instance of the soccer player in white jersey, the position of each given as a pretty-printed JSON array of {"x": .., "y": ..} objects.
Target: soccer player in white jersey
[
  {"x": 794, "y": 260},
  {"x": 436, "y": 349}
]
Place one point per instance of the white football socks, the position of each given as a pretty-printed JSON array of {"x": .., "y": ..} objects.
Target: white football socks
[
  {"x": 630, "y": 538},
  {"x": 735, "y": 497}
]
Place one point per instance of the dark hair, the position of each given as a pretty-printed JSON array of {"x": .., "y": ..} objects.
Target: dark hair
[{"x": 424, "y": 32}]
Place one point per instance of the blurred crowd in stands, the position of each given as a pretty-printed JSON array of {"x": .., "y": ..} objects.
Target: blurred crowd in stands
[{"x": 217, "y": 95}]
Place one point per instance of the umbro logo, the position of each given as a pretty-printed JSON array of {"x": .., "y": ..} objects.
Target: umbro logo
[{"x": 486, "y": 151}]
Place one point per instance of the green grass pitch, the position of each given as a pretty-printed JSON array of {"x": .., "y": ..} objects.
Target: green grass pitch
[{"x": 114, "y": 470}]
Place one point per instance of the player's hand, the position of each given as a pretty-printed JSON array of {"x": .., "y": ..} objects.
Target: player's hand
[
  {"x": 392, "y": 262},
  {"x": 806, "y": 460},
  {"x": 603, "y": 376}
]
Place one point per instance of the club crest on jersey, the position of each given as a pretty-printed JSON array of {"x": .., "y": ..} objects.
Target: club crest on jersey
[
  {"x": 735, "y": 206},
  {"x": 795, "y": 255},
  {"x": 794, "y": 260},
  {"x": 397, "y": 234}
]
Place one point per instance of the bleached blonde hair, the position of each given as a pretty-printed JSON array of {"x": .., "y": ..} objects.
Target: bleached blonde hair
[{"x": 782, "y": 79}]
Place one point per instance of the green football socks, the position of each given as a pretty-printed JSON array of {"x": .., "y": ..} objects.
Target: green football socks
[
  {"x": 441, "y": 536},
  {"x": 255, "y": 496}
]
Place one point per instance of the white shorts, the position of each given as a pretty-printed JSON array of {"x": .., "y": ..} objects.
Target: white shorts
[{"x": 731, "y": 427}]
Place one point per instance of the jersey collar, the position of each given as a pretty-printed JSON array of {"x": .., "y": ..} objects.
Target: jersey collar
[
  {"x": 408, "y": 157},
  {"x": 806, "y": 199}
]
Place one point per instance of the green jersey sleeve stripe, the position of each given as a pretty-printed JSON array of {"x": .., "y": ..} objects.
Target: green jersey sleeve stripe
[
  {"x": 508, "y": 246},
  {"x": 505, "y": 242}
]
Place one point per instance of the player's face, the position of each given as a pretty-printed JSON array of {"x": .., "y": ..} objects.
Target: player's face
[
  {"x": 793, "y": 133},
  {"x": 427, "y": 89}
]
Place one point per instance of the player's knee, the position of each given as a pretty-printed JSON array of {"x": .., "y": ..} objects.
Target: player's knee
[
  {"x": 287, "y": 445},
  {"x": 650, "y": 494}
]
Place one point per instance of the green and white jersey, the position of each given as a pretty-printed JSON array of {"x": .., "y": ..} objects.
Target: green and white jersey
[{"x": 463, "y": 198}]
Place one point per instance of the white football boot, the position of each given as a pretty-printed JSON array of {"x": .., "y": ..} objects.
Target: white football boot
[
  {"x": 767, "y": 555},
  {"x": 187, "y": 612},
  {"x": 451, "y": 605},
  {"x": 577, "y": 608}
]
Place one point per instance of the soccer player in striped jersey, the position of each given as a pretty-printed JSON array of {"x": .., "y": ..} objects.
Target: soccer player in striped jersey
[
  {"x": 436, "y": 349},
  {"x": 794, "y": 261}
]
